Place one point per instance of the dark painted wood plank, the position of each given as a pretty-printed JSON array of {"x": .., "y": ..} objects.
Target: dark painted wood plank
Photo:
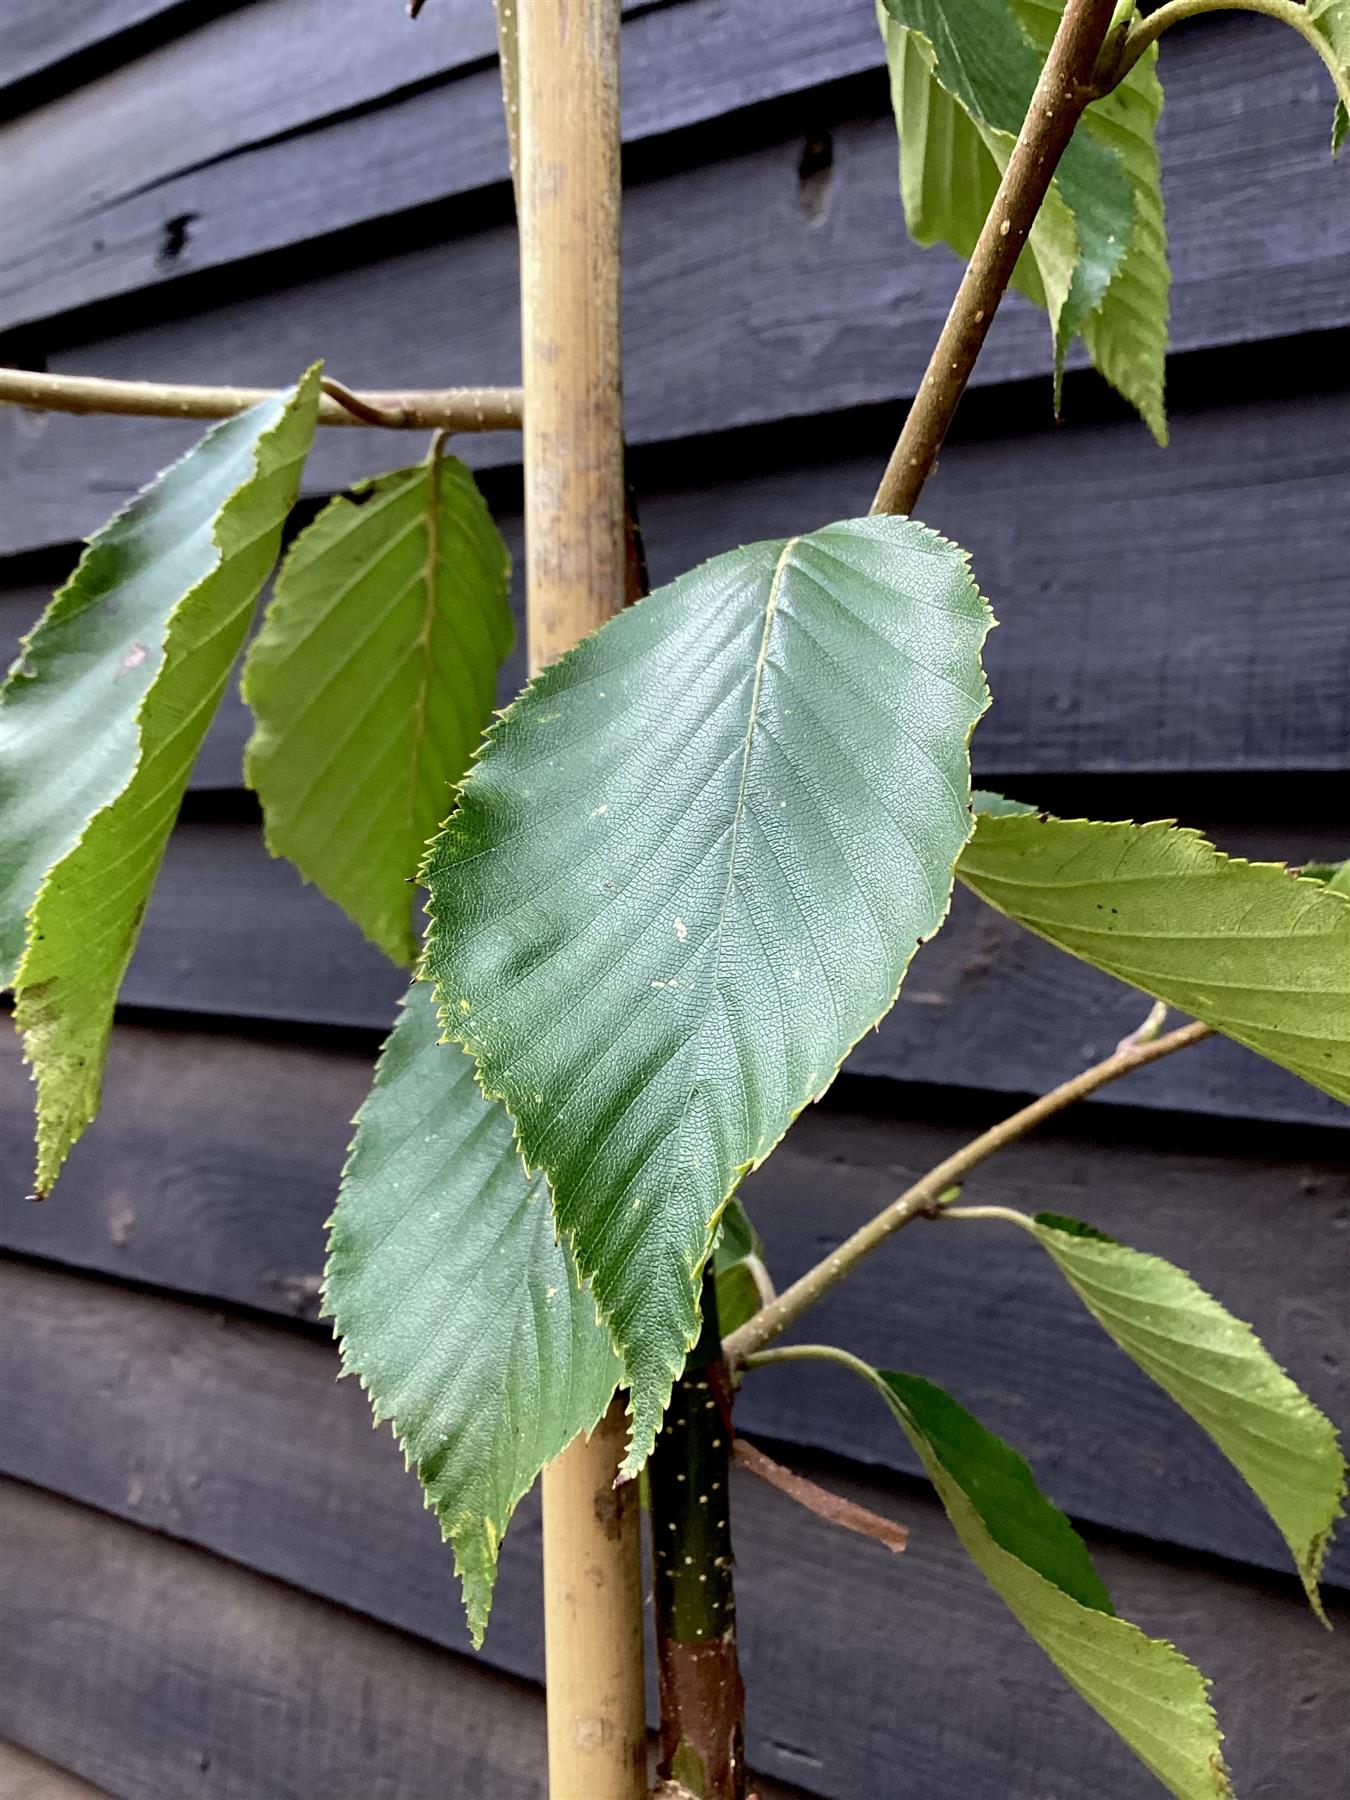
[
  {"x": 1244, "y": 127},
  {"x": 235, "y": 934},
  {"x": 245, "y": 173},
  {"x": 163, "y": 1674},
  {"x": 215, "y": 1163},
  {"x": 1185, "y": 612},
  {"x": 745, "y": 302},
  {"x": 35, "y": 35},
  {"x": 234, "y": 1437}
]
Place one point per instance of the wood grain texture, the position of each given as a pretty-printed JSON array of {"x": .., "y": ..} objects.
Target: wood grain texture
[
  {"x": 39, "y": 36},
  {"x": 1183, "y": 614},
  {"x": 307, "y": 149},
  {"x": 749, "y": 297},
  {"x": 163, "y": 1674},
  {"x": 374, "y": 124},
  {"x": 216, "y": 1160},
  {"x": 233, "y": 1436},
  {"x": 232, "y": 934}
]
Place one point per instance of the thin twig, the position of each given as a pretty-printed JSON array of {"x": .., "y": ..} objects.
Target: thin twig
[
  {"x": 457, "y": 409},
  {"x": 833, "y": 1508},
  {"x": 1288, "y": 12},
  {"x": 928, "y": 1195},
  {"x": 1063, "y": 91},
  {"x": 508, "y": 63}
]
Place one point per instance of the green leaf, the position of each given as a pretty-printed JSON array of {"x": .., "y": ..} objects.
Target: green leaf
[
  {"x": 738, "y": 1258},
  {"x": 1250, "y": 948},
  {"x": 1335, "y": 875},
  {"x": 1332, "y": 19},
  {"x": 456, "y": 1306},
  {"x": 103, "y": 716},
  {"x": 962, "y": 78},
  {"x": 371, "y": 681},
  {"x": 689, "y": 870},
  {"x": 1218, "y": 1371},
  {"x": 1039, "y": 1566}
]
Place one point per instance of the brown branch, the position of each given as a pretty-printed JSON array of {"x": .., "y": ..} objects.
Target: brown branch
[
  {"x": 928, "y": 1195},
  {"x": 454, "y": 409},
  {"x": 1063, "y": 91},
  {"x": 833, "y": 1508}
]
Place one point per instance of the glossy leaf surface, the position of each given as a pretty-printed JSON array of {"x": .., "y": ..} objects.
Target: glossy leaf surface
[
  {"x": 454, "y": 1303},
  {"x": 689, "y": 870},
  {"x": 1039, "y": 1566}
]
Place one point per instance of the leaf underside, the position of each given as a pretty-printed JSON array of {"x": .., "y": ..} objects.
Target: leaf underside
[
  {"x": 103, "y": 716},
  {"x": 961, "y": 81},
  {"x": 1255, "y": 951},
  {"x": 688, "y": 871},
  {"x": 1219, "y": 1372},
  {"x": 454, "y": 1303},
  {"x": 370, "y": 683},
  {"x": 1038, "y": 1565}
]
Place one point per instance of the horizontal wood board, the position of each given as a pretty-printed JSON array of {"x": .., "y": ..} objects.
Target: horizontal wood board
[
  {"x": 216, "y": 1161},
  {"x": 163, "y": 1674},
  {"x": 235, "y": 934},
  {"x": 750, "y": 299},
  {"x": 36, "y": 36},
  {"x": 263, "y": 1458},
  {"x": 1185, "y": 613},
  {"x": 182, "y": 184}
]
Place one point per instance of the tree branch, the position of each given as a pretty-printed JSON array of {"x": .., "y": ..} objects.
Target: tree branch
[
  {"x": 833, "y": 1508},
  {"x": 1063, "y": 91},
  {"x": 1288, "y": 12},
  {"x": 931, "y": 1193},
  {"x": 454, "y": 409}
]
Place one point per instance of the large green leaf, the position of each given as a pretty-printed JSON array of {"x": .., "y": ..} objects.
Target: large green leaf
[
  {"x": 103, "y": 716},
  {"x": 689, "y": 870},
  {"x": 961, "y": 80},
  {"x": 455, "y": 1304},
  {"x": 1254, "y": 950},
  {"x": 1218, "y": 1371},
  {"x": 1039, "y": 1566},
  {"x": 371, "y": 681}
]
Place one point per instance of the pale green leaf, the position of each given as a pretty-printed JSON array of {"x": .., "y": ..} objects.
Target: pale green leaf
[
  {"x": 1038, "y": 1565},
  {"x": 103, "y": 716},
  {"x": 961, "y": 80},
  {"x": 689, "y": 870},
  {"x": 454, "y": 1302},
  {"x": 1335, "y": 875},
  {"x": 371, "y": 681},
  {"x": 1255, "y": 951},
  {"x": 1332, "y": 19},
  {"x": 1218, "y": 1371},
  {"x": 743, "y": 1284}
]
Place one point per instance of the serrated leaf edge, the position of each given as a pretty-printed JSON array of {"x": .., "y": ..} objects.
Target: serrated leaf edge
[{"x": 633, "y": 1461}]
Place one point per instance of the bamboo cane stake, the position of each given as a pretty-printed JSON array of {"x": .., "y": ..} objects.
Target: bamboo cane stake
[{"x": 574, "y": 559}]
